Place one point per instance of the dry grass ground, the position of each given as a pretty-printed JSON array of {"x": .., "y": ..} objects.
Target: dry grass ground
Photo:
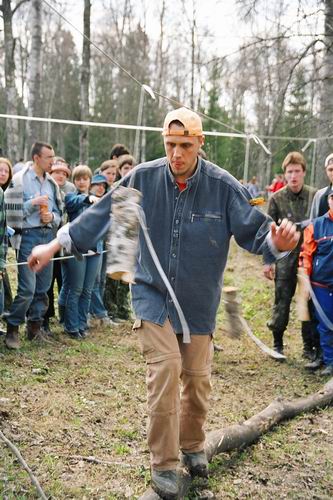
[{"x": 71, "y": 400}]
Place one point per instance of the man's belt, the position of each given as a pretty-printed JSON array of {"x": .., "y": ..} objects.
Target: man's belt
[{"x": 21, "y": 230}]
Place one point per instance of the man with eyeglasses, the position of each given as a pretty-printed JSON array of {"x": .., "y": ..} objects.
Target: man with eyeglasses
[{"x": 33, "y": 209}]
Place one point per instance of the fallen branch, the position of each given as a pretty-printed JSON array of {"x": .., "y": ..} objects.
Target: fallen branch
[
  {"x": 239, "y": 436},
  {"x": 95, "y": 460},
  {"x": 24, "y": 464}
]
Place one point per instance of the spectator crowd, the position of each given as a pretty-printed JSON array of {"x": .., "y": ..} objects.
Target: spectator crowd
[{"x": 35, "y": 201}]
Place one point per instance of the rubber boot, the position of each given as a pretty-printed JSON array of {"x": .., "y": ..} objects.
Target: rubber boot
[
  {"x": 278, "y": 341},
  {"x": 307, "y": 337},
  {"x": 12, "y": 339}
]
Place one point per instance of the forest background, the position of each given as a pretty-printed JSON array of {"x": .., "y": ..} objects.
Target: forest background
[{"x": 252, "y": 66}]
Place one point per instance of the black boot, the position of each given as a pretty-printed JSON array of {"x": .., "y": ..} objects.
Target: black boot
[
  {"x": 278, "y": 341},
  {"x": 317, "y": 361},
  {"x": 307, "y": 337}
]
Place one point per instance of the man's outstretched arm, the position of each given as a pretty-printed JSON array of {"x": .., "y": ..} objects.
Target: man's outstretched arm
[{"x": 42, "y": 254}]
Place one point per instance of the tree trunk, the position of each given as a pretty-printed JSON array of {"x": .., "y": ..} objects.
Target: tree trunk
[
  {"x": 239, "y": 436},
  {"x": 34, "y": 72},
  {"x": 12, "y": 128},
  {"x": 193, "y": 46},
  {"x": 85, "y": 80},
  {"x": 326, "y": 101}
]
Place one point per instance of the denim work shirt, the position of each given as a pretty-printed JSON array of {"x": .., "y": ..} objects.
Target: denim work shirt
[
  {"x": 33, "y": 187},
  {"x": 190, "y": 231}
]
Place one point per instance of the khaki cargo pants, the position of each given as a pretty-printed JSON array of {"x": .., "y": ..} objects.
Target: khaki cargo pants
[{"x": 176, "y": 419}]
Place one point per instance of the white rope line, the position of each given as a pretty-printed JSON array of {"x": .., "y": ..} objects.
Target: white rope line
[
  {"x": 259, "y": 342},
  {"x": 64, "y": 257},
  {"x": 125, "y": 126},
  {"x": 183, "y": 322},
  {"x": 113, "y": 125}
]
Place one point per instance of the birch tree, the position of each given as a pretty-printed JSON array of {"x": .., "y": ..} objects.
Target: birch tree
[
  {"x": 12, "y": 128},
  {"x": 34, "y": 71},
  {"x": 85, "y": 81},
  {"x": 325, "y": 129}
]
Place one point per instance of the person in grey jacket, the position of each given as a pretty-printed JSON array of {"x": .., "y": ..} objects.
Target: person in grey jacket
[{"x": 192, "y": 209}]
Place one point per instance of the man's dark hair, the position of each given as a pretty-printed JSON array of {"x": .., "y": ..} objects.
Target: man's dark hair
[
  {"x": 118, "y": 150},
  {"x": 176, "y": 122},
  {"x": 37, "y": 148}
]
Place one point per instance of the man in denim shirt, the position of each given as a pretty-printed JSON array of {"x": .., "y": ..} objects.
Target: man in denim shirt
[
  {"x": 192, "y": 208},
  {"x": 34, "y": 208}
]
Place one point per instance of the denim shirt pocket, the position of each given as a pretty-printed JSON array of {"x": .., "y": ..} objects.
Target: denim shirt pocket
[
  {"x": 207, "y": 227},
  {"x": 208, "y": 217}
]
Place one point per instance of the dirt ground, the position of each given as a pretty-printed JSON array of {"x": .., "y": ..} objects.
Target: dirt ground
[{"x": 65, "y": 402}]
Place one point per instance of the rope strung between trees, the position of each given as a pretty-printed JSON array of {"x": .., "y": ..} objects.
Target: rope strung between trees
[{"x": 113, "y": 125}]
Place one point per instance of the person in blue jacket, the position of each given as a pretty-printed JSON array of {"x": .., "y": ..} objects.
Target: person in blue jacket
[
  {"x": 192, "y": 209},
  {"x": 317, "y": 260},
  {"x": 80, "y": 274}
]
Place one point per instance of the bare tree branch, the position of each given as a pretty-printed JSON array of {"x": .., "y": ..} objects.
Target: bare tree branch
[
  {"x": 24, "y": 464},
  {"x": 18, "y": 5}
]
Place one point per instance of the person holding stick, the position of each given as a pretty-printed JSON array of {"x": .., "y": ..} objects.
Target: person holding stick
[{"x": 192, "y": 208}]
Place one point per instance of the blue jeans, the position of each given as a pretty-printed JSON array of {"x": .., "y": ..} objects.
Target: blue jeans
[
  {"x": 31, "y": 287},
  {"x": 325, "y": 299},
  {"x": 103, "y": 275},
  {"x": 62, "y": 298},
  {"x": 97, "y": 308},
  {"x": 81, "y": 275}
]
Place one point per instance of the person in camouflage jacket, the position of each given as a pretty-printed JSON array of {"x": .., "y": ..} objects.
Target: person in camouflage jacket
[{"x": 294, "y": 203}]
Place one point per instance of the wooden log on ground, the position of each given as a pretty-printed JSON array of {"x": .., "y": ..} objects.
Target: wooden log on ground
[{"x": 239, "y": 436}]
